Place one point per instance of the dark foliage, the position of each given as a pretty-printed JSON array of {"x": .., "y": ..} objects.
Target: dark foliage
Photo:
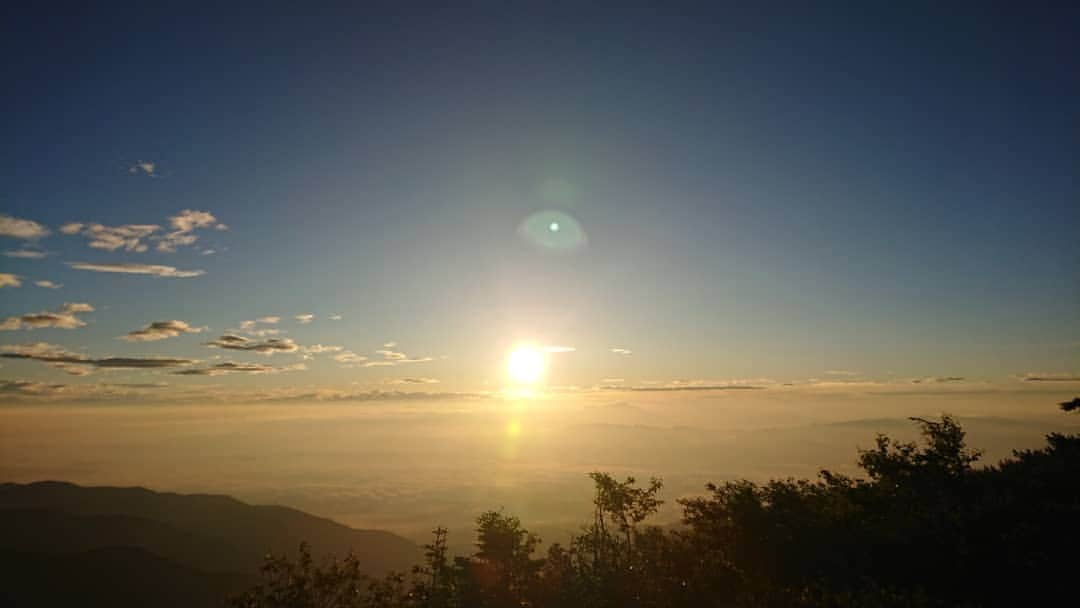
[{"x": 923, "y": 527}]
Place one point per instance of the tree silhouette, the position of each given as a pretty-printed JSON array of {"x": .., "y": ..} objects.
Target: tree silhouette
[{"x": 923, "y": 526}]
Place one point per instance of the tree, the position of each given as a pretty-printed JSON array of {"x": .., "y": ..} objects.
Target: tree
[{"x": 503, "y": 558}]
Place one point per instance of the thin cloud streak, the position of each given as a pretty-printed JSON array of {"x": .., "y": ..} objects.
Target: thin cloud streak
[{"x": 156, "y": 270}]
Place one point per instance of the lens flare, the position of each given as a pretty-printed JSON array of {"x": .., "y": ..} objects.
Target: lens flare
[{"x": 553, "y": 231}]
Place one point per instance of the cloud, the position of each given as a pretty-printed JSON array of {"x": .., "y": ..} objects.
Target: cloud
[
  {"x": 378, "y": 363},
  {"x": 149, "y": 269},
  {"x": 622, "y": 351},
  {"x": 26, "y": 254},
  {"x": 649, "y": 386},
  {"x": 389, "y": 344},
  {"x": 30, "y": 389},
  {"x": 48, "y": 284},
  {"x": 129, "y": 237},
  {"x": 249, "y": 326},
  {"x": 316, "y": 349},
  {"x": 414, "y": 381},
  {"x": 336, "y": 395},
  {"x": 184, "y": 225},
  {"x": 21, "y": 229},
  {"x": 335, "y": 317},
  {"x": 77, "y": 364},
  {"x": 160, "y": 330},
  {"x": 143, "y": 167},
  {"x": 349, "y": 357},
  {"x": 559, "y": 349},
  {"x": 231, "y": 367},
  {"x": 938, "y": 379},
  {"x": 304, "y": 318},
  {"x": 27, "y": 387},
  {"x": 263, "y": 347},
  {"x": 9, "y": 280},
  {"x": 141, "y": 362},
  {"x": 841, "y": 372},
  {"x": 136, "y": 237},
  {"x": 391, "y": 357},
  {"x": 63, "y": 318},
  {"x": 612, "y": 380},
  {"x": 1051, "y": 377}
]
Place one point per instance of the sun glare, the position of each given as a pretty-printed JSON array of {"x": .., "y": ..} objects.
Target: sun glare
[{"x": 525, "y": 364}]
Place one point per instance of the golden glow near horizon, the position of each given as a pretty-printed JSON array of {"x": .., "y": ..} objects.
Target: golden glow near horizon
[{"x": 525, "y": 364}]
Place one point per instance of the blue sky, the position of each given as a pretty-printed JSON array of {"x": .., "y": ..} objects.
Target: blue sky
[{"x": 888, "y": 193}]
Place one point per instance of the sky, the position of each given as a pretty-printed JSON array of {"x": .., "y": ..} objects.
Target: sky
[{"x": 375, "y": 206}]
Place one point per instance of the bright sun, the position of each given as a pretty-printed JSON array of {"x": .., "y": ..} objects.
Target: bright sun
[{"x": 525, "y": 365}]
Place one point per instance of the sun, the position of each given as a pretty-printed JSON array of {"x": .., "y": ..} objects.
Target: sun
[{"x": 525, "y": 364}]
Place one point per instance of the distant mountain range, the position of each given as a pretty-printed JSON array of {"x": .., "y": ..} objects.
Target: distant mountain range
[{"x": 64, "y": 544}]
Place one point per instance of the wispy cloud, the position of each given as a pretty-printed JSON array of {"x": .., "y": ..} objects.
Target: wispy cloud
[
  {"x": 650, "y": 386},
  {"x": 48, "y": 284},
  {"x": 21, "y": 229},
  {"x": 28, "y": 387},
  {"x": 31, "y": 389},
  {"x": 304, "y": 318},
  {"x": 263, "y": 347},
  {"x": 143, "y": 167},
  {"x": 184, "y": 225},
  {"x": 160, "y": 330},
  {"x": 841, "y": 372},
  {"x": 129, "y": 237},
  {"x": 1051, "y": 377},
  {"x": 349, "y": 358},
  {"x": 251, "y": 326},
  {"x": 335, "y": 317},
  {"x": 9, "y": 280},
  {"x": 559, "y": 349},
  {"x": 232, "y": 367},
  {"x": 137, "y": 237},
  {"x": 62, "y": 318},
  {"x": 317, "y": 349},
  {"x": 393, "y": 357},
  {"x": 690, "y": 387},
  {"x": 413, "y": 381},
  {"x": 156, "y": 270},
  {"x": 26, "y": 254},
  {"x": 622, "y": 351},
  {"x": 79, "y": 364}
]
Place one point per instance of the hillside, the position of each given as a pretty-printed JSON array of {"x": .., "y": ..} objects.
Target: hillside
[{"x": 52, "y": 527}]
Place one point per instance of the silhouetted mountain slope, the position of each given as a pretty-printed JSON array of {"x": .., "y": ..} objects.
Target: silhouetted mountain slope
[
  {"x": 206, "y": 532},
  {"x": 113, "y": 577}
]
